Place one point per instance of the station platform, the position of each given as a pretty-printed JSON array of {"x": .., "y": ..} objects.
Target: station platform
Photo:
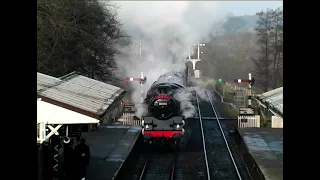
[
  {"x": 109, "y": 148},
  {"x": 265, "y": 146}
]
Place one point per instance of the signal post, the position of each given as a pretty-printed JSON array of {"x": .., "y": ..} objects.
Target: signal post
[
  {"x": 194, "y": 61},
  {"x": 247, "y": 117},
  {"x": 222, "y": 88},
  {"x": 142, "y": 80}
]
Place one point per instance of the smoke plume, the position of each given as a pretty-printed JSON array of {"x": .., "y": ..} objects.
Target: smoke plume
[{"x": 167, "y": 29}]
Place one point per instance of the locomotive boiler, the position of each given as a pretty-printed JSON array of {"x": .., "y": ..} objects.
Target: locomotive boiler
[{"x": 164, "y": 121}]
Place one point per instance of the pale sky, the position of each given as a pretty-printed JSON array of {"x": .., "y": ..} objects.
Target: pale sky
[
  {"x": 239, "y": 8},
  {"x": 191, "y": 17}
]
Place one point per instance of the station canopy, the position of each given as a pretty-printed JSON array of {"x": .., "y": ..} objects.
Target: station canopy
[
  {"x": 51, "y": 114},
  {"x": 273, "y": 100},
  {"x": 79, "y": 92}
]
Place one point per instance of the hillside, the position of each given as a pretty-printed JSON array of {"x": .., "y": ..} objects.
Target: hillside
[
  {"x": 228, "y": 56},
  {"x": 250, "y": 21}
]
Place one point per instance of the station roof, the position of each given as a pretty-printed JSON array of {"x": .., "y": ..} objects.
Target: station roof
[
  {"x": 273, "y": 100},
  {"x": 78, "y": 91},
  {"x": 51, "y": 114}
]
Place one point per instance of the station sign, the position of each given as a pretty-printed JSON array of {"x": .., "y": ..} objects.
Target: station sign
[
  {"x": 129, "y": 108},
  {"x": 246, "y": 111}
]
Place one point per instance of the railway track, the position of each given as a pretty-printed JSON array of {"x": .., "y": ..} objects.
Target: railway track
[
  {"x": 159, "y": 165},
  {"x": 219, "y": 158},
  {"x": 206, "y": 152}
]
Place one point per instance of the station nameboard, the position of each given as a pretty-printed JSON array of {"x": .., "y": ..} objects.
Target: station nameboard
[
  {"x": 129, "y": 109},
  {"x": 246, "y": 111}
]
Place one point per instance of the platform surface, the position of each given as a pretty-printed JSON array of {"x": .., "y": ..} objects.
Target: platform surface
[
  {"x": 109, "y": 147},
  {"x": 266, "y": 147}
]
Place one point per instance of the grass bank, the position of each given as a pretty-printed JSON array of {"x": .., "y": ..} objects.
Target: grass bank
[{"x": 227, "y": 91}]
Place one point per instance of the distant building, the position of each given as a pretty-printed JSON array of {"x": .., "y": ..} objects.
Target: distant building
[{"x": 83, "y": 95}]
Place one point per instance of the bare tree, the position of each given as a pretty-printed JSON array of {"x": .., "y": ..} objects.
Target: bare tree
[
  {"x": 277, "y": 36},
  {"x": 53, "y": 29},
  {"x": 264, "y": 41},
  {"x": 78, "y": 35},
  {"x": 222, "y": 60},
  {"x": 270, "y": 33}
]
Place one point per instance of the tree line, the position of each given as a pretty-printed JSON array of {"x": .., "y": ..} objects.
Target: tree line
[
  {"x": 78, "y": 35},
  {"x": 86, "y": 36},
  {"x": 227, "y": 56},
  {"x": 235, "y": 53},
  {"x": 269, "y": 63}
]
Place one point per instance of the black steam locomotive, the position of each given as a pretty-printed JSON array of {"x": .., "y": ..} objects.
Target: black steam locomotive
[{"x": 164, "y": 121}]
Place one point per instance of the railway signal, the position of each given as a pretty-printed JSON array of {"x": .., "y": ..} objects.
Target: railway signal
[
  {"x": 247, "y": 117},
  {"x": 250, "y": 82},
  {"x": 220, "y": 80},
  {"x": 142, "y": 80}
]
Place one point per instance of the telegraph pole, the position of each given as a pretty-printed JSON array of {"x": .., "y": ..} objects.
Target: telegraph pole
[
  {"x": 142, "y": 80},
  {"x": 140, "y": 49},
  {"x": 141, "y": 84},
  {"x": 141, "y": 76}
]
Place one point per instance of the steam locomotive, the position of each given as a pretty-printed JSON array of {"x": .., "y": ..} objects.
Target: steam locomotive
[{"x": 164, "y": 122}]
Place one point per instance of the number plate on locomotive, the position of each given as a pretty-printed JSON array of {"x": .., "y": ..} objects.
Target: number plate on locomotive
[{"x": 162, "y": 104}]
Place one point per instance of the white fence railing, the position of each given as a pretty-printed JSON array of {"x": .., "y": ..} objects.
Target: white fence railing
[
  {"x": 127, "y": 119},
  {"x": 248, "y": 121}
]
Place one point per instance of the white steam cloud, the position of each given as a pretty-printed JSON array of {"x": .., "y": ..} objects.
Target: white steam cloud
[
  {"x": 167, "y": 29},
  {"x": 186, "y": 97}
]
